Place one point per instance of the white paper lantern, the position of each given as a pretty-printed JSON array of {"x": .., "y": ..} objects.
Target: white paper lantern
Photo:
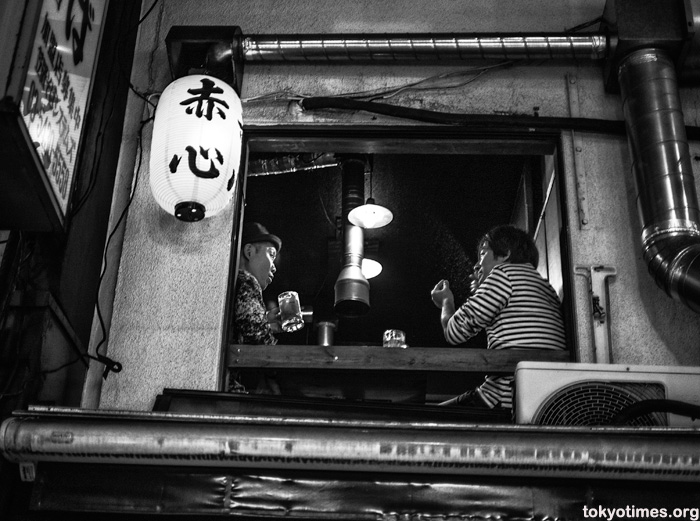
[{"x": 196, "y": 147}]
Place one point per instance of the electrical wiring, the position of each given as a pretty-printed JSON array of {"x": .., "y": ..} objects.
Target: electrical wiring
[
  {"x": 419, "y": 86},
  {"x": 323, "y": 207},
  {"x": 103, "y": 328},
  {"x": 280, "y": 95},
  {"x": 99, "y": 145},
  {"x": 584, "y": 25},
  {"x": 481, "y": 121},
  {"x": 144, "y": 16},
  {"x": 102, "y": 126},
  {"x": 14, "y": 394},
  {"x": 30, "y": 269},
  {"x": 97, "y": 155},
  {"x": 438, "y": 82},
  {"x": 12, "y": 277},
  {"x": 144, "y": 97},
  {"x": 110, "y": 365},
  {"x": 22, "y": 252}
]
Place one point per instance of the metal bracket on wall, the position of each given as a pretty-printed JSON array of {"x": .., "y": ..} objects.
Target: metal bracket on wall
[
  {"x": 27, "y": 471},
  {"x": 579, "y": 169},
  {"x": 598, "y": 290}
]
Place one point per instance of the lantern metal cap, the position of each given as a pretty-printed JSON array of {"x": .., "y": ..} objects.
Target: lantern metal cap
[{"x": 189, "y": 211}]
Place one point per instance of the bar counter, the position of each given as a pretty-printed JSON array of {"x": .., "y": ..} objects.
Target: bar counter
[
  {"x": 377, "y": 358},
  {"x": 375, "y": 373}
]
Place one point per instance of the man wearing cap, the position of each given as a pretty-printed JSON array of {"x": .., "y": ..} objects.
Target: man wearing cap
[{"x": 253, "y": 323}]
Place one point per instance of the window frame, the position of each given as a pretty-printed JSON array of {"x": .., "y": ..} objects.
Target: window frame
[{"x": 414, "y": 139}]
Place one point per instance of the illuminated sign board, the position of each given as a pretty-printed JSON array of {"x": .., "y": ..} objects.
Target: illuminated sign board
[{"x": 56, "y": 88}]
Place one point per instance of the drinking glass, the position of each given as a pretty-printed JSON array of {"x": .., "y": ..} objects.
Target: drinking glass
[
  {"x": 290, "y": 311},
  {"x": 394, "y": 338}
]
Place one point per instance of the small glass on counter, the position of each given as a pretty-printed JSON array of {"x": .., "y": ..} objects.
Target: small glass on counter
[{"x": 394, "y": 338}]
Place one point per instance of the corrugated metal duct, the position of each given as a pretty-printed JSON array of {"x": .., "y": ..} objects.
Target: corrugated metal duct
[
  {"x": 352, "y": 288},
  {"x": 666, "y": 196},
  {"x": 364, "y": 47},
  {"x": 433, "y": 448}
]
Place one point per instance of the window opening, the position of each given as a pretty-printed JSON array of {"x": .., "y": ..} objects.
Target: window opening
[{"x": 444, "y": 197}]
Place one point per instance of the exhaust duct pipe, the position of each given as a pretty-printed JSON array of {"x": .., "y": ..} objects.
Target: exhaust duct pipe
[
  {"x": 351, "y": 287},
  {"x": 419, "y": 47},
  {"x": 666, "y": 197},
  {"x": 112, "y": 438}
]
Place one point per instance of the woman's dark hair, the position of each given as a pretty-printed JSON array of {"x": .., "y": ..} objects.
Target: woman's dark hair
[{"x": 507, "y": 239}]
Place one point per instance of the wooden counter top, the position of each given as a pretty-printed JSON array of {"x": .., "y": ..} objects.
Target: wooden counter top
[{"x": 382, "y": 359}]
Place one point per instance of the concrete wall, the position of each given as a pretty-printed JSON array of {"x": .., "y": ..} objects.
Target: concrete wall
[{"x": 167, "y": 322}]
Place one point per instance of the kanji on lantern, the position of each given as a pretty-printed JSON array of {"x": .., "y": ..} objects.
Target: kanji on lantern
[{"x": 203, "y": 96}]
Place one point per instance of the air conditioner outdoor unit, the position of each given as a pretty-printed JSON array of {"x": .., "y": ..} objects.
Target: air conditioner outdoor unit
[{"x": 552, "y": 393}]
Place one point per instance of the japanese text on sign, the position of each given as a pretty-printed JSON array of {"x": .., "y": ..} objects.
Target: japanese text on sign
[{"x": 57, "y": 85}]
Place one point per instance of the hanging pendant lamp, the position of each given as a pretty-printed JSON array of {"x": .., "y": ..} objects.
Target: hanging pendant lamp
[
  {"x": 370, "y": 215},
  {"x": 371, "y": 268}
]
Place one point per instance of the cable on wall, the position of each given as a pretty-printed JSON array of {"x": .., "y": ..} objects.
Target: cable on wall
[{"x": 102, "y": 126}]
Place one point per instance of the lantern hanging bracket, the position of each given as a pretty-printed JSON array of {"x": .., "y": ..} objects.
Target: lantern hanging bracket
[{"x": 211, "y": 50}]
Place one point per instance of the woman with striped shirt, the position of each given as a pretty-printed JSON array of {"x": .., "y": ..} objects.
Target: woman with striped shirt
[{"x": 518, "y": 308}]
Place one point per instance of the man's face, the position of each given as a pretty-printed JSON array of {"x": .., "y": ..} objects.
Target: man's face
[
  {"x": 261, "y": 262},
  {"x": 487, "y": 260}
]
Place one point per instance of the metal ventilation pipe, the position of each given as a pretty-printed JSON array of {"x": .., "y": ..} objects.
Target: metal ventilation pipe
[
  {"x": 351, "y": 287},
  {"x": 666, "y": 195},
  {"x": 298, "y": 443},
  {"x": 374, "y": 47}
]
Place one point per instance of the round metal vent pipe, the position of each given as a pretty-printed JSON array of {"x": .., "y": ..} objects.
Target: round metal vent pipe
[
  {"x": 420, "y": 447},
  {"x": 351, "y": 287},
  {"x": 375, "y": 47},
  {"x": 666, "y": 195}
]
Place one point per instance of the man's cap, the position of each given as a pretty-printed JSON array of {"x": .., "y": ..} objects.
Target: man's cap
[{"x": 256, "y": 232}]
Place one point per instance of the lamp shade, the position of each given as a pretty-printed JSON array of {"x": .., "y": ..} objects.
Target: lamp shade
[
  {"x": 371, "y": 268},
  {"x": 370, "y": 215},
  {"x": 196, "y": 147}
]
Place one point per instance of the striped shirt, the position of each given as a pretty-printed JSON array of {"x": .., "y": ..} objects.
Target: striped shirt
[{"x": 519, "y": 310}]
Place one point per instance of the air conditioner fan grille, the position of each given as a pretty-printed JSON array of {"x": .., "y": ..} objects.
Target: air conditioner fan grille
[{"x": 597, "y": 403}]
